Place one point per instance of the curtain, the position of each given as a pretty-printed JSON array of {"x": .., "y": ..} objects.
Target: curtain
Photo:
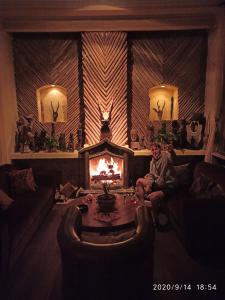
[
  {"x": 214, "y": 85},
  {"x": 8, "y": 104}
]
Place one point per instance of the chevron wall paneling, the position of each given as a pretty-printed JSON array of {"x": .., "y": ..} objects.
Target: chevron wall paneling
[
  {"x": 104, "y": 62},
  {"x": 42, "y": 59},
  {"x": 174, "y": 58}
]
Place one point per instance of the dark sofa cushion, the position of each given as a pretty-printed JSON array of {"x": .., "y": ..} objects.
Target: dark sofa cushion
[
  {"x": 204, "y": 188},
  {"x": 5, "y": 201},
  {"x": 22, "y": 181},
  {"x": 184, "y": 175}
]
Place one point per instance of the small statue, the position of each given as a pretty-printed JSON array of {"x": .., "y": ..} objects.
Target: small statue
[
  {"x": 175, "y": 134},
  {"x": 43, "y": 138},
  {"x": 55, "y": 112},
  {"x": 62, "y": 142},
  {"x": 135, "y": 145},
  {"x": 194, "y": 134},
  {"x": 162, "y": 133},
  {"x": 25, "y": 137},
  {"x": 159, "y": 110},
  {"x": 20, "y": 123},
  {"x": 149, "y": 135},
  {"x": 105, "y": 115},
  {"x": 70, "y": 146},
  {"x": 36, "y": 142},
  {"x": 183, "y": 134}
]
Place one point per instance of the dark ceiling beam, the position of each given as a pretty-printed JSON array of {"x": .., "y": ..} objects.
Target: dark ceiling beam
[{"x": 70, "y": 16}]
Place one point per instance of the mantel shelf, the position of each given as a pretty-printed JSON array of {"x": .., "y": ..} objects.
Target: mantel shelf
[
  {"x": 72, "y": 155},
  {"x": 180, "y": 152},
  {"x": 44, "y": 155}
]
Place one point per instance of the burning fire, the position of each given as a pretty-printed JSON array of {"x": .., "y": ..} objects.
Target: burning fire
[{"x": 106, "y": 167}]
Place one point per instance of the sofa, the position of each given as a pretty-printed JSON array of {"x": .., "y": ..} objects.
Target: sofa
[
  {"x": 20, "y": 221},
  {"x": 197, "y": 210}
]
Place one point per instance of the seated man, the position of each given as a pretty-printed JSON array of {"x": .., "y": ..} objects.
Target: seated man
[{"x": 161, "y": 179}]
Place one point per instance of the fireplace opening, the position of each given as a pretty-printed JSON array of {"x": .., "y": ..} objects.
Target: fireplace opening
[
  {"x": 105, "y": 161},
  {"x": 108, "y": 168}
]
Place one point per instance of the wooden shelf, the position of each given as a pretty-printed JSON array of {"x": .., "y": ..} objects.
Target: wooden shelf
[
  {"x": 186, "y": 152},
  {"x": 45, "y": 155},
  {"x": 71, "y": 155}
]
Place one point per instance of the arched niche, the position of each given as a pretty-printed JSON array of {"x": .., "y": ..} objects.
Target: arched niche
[
  {"x": 163, "y": 103},
  {"x": 52, "y": 98}
]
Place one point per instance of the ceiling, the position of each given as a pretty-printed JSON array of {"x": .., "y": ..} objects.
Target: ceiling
[{"x": 87, "y": 15}]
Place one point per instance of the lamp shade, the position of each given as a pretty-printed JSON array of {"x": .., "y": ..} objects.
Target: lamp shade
[
  {"x": 52, "y": 104},
  {"x": 163, "y": 103}
]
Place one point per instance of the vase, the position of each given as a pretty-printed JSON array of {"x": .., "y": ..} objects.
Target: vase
[{"x": 106, "y": 202}]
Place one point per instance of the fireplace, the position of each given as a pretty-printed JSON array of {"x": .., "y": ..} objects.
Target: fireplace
[{"x": 106, "y": 161}]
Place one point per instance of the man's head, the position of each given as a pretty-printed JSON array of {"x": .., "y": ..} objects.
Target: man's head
[{"x": 156, "y": 150}]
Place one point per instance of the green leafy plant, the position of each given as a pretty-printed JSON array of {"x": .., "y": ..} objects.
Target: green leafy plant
[
  {"x": 106, "y": 186},
  {"x": 51, "y": 143}
]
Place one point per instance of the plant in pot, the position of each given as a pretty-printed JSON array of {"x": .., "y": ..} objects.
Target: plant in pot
[
  {"x": 51, "y": 144},
  {"x": 106, "y": 201}
]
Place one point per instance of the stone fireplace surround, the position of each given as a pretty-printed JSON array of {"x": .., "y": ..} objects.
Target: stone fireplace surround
[{"x": 106, "y": 150}]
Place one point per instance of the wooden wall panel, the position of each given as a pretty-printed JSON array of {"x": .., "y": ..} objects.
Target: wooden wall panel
[
  {"x": 174, "y": 58},
  {"x": 104, "y": 79},
  {"x": 42, "y": 59}
]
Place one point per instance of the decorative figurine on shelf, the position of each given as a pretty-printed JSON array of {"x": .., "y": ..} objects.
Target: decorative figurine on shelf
[
  {"x": 43, "y": 137},
  {"x": 175, "y": 134},
  {"x": 159, "y": 110},
  {"x": 105, "y": 115},
  {"x": 62, "y": 142},
  {"x": 80, "y": 137},
  {"x": 36, "y": 142},
  {"x": 24, "y": 135},
  {"x": 70, "y": 146},
  {"x": 55, "y": 113},
  {"x": 183, "y": 134},
  {"x": 149, "y": 135},
  {"x": 135, "y": 145},
  {"x": 142, "y": 141},
  {"x": 20, "y": 123},
  {"x": 162, "y": 136},
  {"x": 195, "y": 130},
  {"x": 194, "y": 134}
]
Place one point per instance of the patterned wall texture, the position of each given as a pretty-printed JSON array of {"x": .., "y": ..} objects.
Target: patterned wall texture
[
  {"x": 42, "y": 59},
  {"x": 105, "y": 78},
  {"x": 177, "y": 58}
]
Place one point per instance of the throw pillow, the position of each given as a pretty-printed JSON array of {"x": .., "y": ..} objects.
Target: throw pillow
[
  {"x": 5, "y": 200},
  {"x": 184, "y": 175},
  {"x": 22, "y": 181},
  {"x": 204, "y": 188}
]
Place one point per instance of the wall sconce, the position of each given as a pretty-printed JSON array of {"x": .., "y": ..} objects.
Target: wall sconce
[
  {"x": 52, "y": 105},
  {"x": 163, "y": 103}
]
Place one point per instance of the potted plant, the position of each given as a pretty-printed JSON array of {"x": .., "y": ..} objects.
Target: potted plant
[
  {"x": 106, "y": 201},
  {"x": 51, "y": 144}
]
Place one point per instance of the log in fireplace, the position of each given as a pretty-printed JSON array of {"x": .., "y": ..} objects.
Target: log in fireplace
[{"x": 106, "y": 161}]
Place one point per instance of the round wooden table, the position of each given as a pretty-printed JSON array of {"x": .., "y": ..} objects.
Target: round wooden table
[{"x": 123, "y": 215}]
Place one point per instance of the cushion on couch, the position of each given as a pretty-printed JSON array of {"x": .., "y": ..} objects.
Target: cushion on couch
[
  {"x": 5, "y": 200},
  {"x": 22, "y": 181},
  {"x": 204, "y": 188},
  {"x": 184, "y": 175}
]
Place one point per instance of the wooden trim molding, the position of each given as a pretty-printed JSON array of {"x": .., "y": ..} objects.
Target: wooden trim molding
[{"x": 78, "y": 16}]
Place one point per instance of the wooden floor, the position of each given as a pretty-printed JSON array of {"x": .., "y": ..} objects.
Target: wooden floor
[{"x": 38, "y": 275}]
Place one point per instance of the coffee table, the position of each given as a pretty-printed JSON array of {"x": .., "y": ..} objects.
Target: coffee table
[{"x": 122, "y": 217}]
